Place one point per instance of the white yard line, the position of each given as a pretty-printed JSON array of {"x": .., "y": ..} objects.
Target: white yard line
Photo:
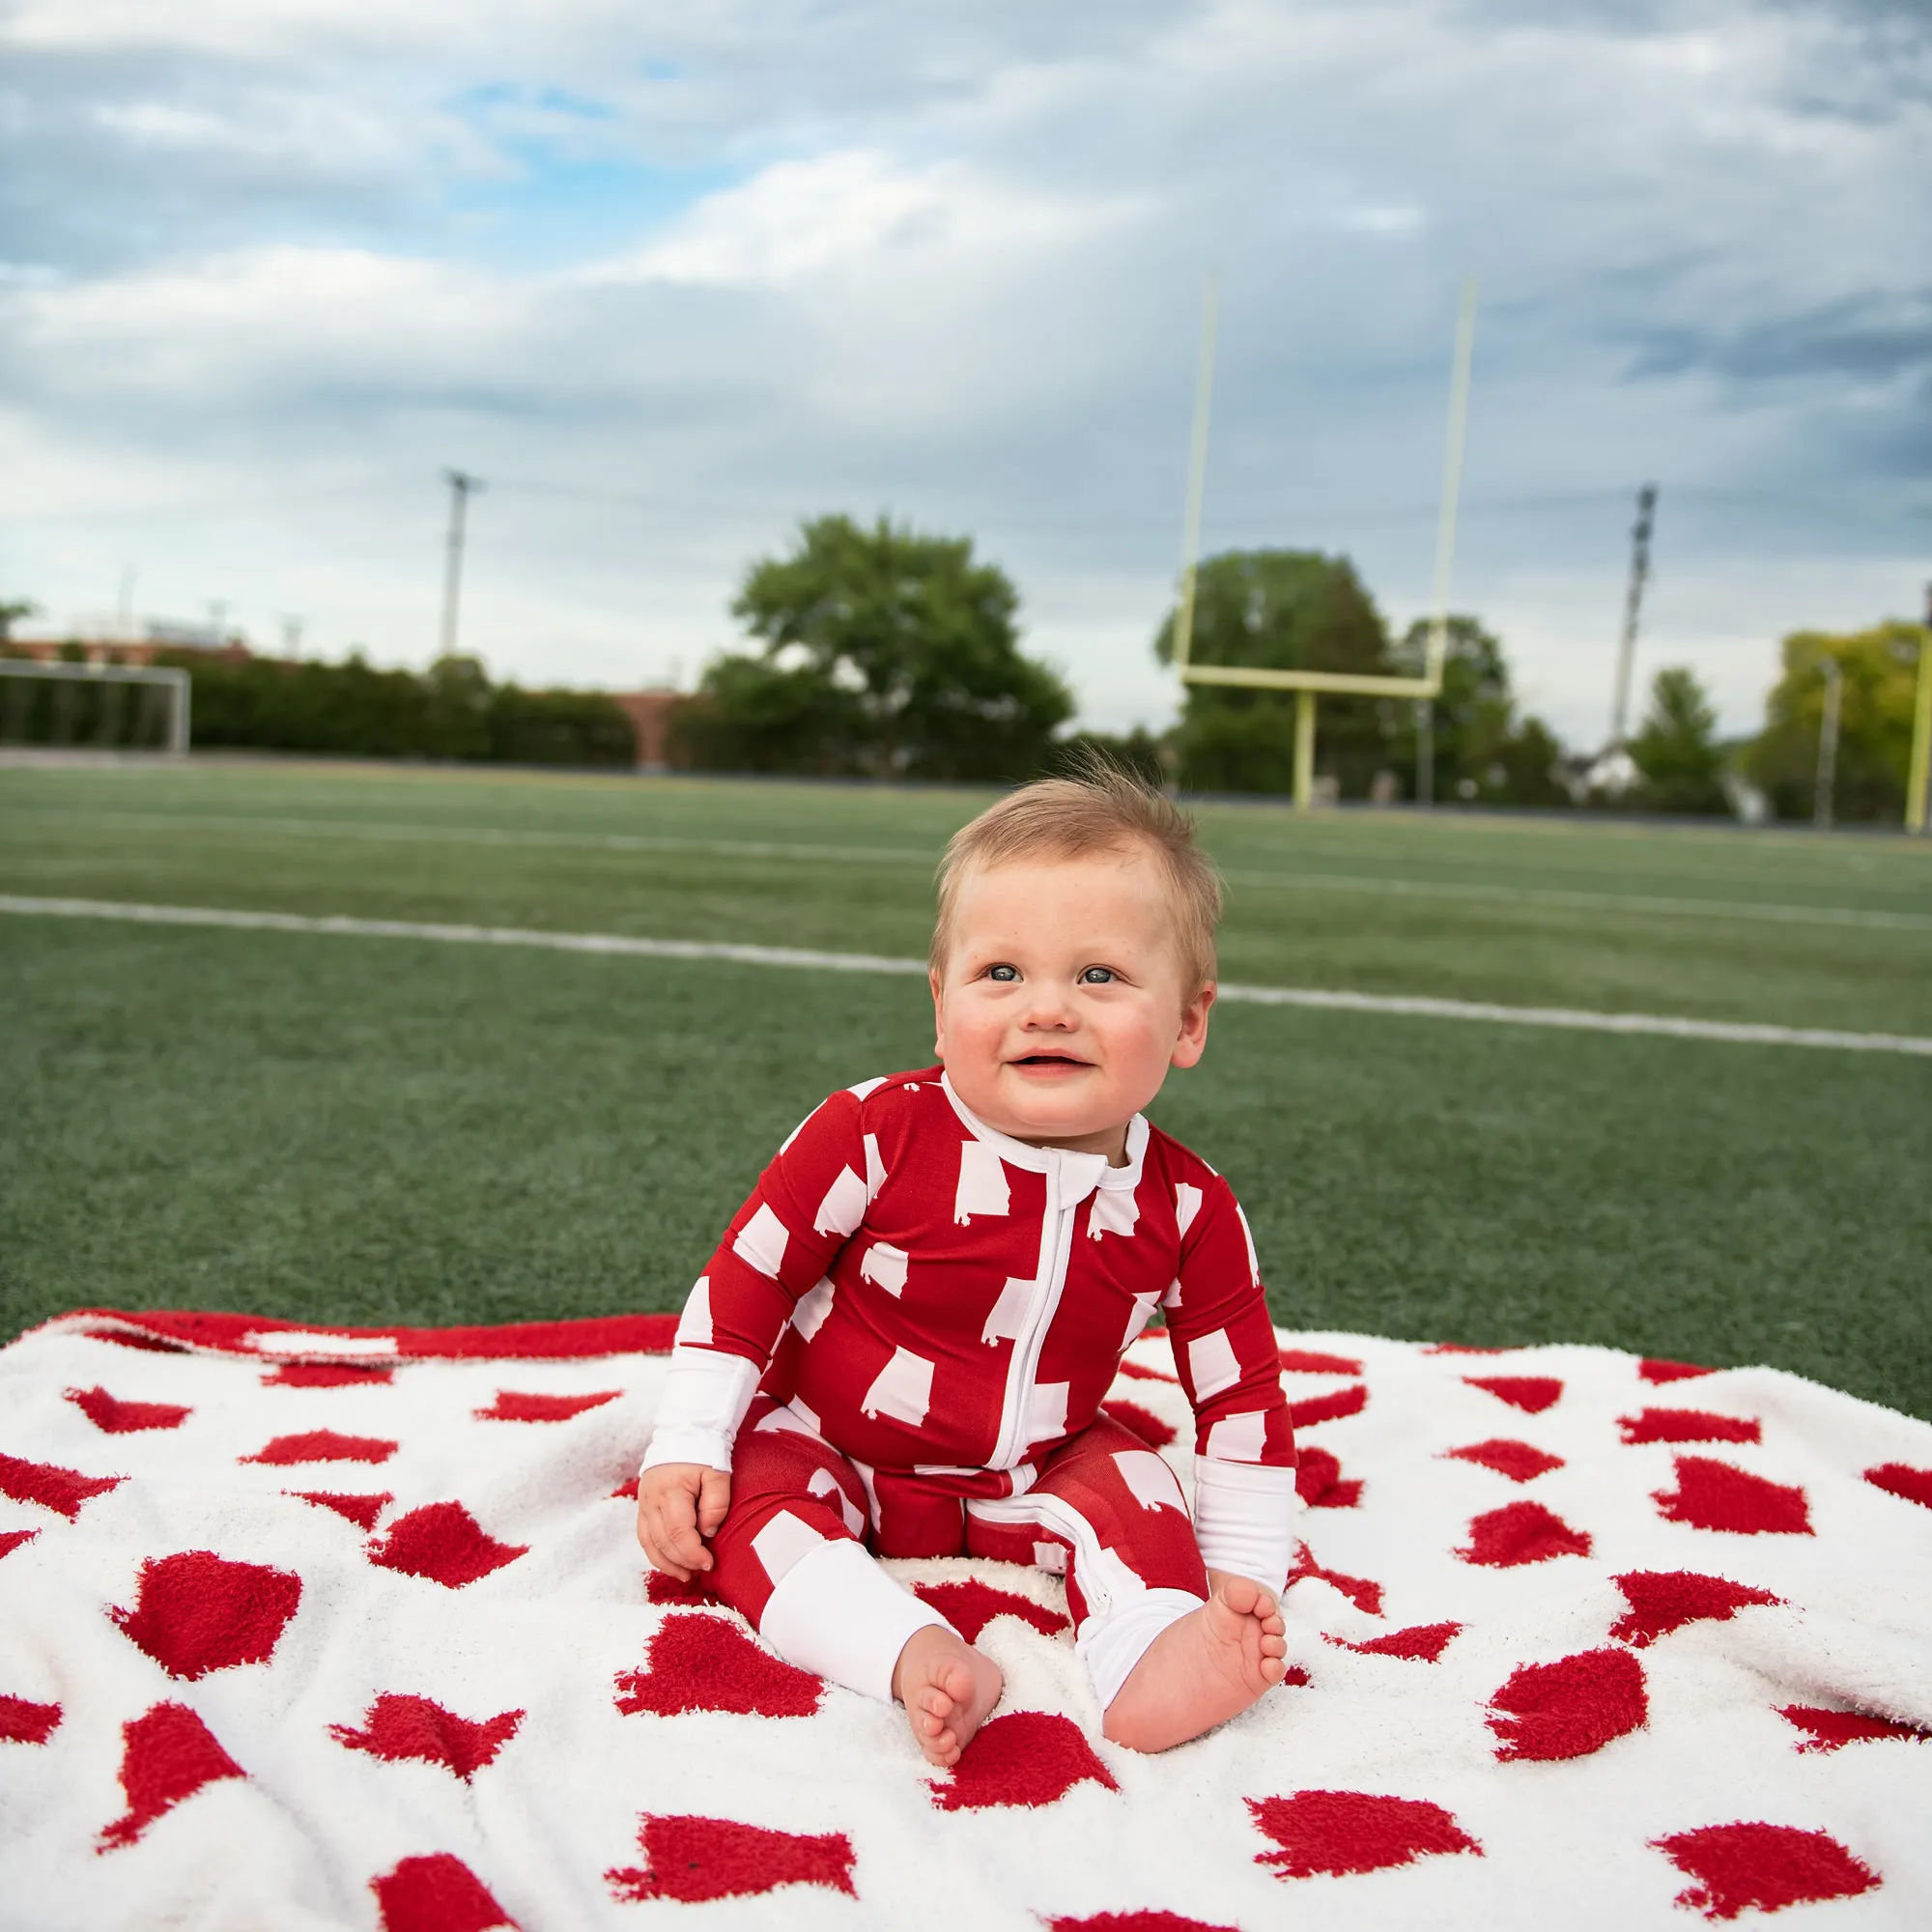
[
  {"x": 1672, "y": 1026},
  {"x": 1557, "y": 897}
]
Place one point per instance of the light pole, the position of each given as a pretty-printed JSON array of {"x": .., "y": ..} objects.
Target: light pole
[
  {"x": 460, "y": 484},
  {"x": 1828, "y": 742}
]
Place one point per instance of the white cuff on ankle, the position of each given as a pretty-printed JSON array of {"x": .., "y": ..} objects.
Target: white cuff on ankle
[
  {"x": 1110, "y": 1646},
  {"x": 836, "y": 1613}
]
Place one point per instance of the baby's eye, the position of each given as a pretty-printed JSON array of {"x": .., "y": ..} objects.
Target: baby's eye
[
  {"x": 1097, "y": 975},
  {"x": 1005, "y": 975}
]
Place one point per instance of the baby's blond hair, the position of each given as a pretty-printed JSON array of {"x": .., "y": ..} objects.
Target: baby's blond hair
[{"x": 1098, "y": 809}]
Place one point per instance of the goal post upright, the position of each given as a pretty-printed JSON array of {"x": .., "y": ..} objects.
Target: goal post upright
[{"x": 1308, "y": 685}]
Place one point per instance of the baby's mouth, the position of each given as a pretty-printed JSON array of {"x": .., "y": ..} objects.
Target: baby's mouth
[{"x": 1053, "y": 1063}]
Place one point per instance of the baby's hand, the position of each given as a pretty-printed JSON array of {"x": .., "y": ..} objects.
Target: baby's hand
[{"x": 678, "y": 1503}]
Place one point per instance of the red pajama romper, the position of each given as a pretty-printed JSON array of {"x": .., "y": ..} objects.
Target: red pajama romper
[{"x": 901, "y": 1346}]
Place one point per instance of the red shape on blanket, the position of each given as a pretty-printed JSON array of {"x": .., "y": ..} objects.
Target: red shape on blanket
[
  {"x": 1328, "y": 1407},
  {"x": 1312, "y": 1362},
  {"x": 1420, "y": 1643},
  {"x": 970, "y": 1606},
  {"x": 1027, "y": 1757},
  {"x": 167, "y": 1757},
  {"x": 322, "y": 1446},
  {"x": 436, "y": 1893},
  {"x": 661, "y": 1587},
  {"x": 1144, "y": 1421},
  {"x": 1320, "y": 1484},
  {"x": 695, "y": 1859},
  {"x": 446, "y": 1544},
  {"x": 702, "y": 1662},
  {"x": 1767, "y": 1866},
  {"x": 1338, "y": 1831},
  {"x": 1833, "y": 1730},
  {"x": 124, "y": 1338},
  {"x": 361, "y": 1511},
  {"x": 1359, "y": 1590},
  {"x": 1532, "y": 1394},
  {"x": 398, "y": 1726},
  {"x": 329, "y": 1375},
  {"x": 12, "y": 1539},
  {"x": 1688, "y": 1425},
  {"x": 1717, "y": 1495},
  {"x": 1661, "y": 1601},
  {"x": 22, "y": 1722},
  {"x": 1902, "y": 1479},
  {"x": 1654, "y": 1369},
  {"x": 1517, "y": 1533},
  {"x": 197, "y": 1612},
  {"x": 1134, "y": 1922},
  {"x": 1137, "y": 1372},
  {"x": 625, "y": 1491},
  {"x": 122, "y": 1418},
  {"x": 519, "y": 1405},
  {"x": 1519, "y": 1462},
  {"x": 51, "y": 1487},
  {"x": 1570, "y": 1708}
]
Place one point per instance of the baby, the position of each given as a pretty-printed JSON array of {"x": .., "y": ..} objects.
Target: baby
[{"x": 903, "y": 1344}]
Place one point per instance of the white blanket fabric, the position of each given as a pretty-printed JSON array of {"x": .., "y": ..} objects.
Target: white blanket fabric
[{"x": 1585, "y": 1644}]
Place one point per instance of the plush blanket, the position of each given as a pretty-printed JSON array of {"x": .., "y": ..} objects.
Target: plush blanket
[{"x": 321, "y": 1629}]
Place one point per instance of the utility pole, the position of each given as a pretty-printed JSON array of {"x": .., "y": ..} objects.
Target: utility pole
[
  {"x": 461, "y": 484},
  {"x": 1646, "y": 511},
  {"x": 1828, "y": 743}
]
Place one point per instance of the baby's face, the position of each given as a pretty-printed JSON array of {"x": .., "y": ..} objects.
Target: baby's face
[{"x": 1061, "y": 1005}]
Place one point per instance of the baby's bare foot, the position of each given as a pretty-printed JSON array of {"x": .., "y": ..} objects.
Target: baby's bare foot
[
  {"x": 1202, "y": 1670},
  {"x": 948, "y": 1688}
]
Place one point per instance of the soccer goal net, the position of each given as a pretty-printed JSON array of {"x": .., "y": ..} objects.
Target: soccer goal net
[{"x": 103, "y": 707}]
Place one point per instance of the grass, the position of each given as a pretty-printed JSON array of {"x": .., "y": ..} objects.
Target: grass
[{"x": 379, "y": 1130}]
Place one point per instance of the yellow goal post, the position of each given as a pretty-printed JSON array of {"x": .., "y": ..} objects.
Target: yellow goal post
[{"x": 1308, "y": 685}]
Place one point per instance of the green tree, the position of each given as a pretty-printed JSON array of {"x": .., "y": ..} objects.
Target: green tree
[
  {"x": 886, "y": 652},
  {"x": 12, "y": 611},
  {"x": 1880, "y": 668},
  {"x": 1484, "y": 751},
  {"x": 1676, "y": 753},
  {"x": 1283, "y": 609}
]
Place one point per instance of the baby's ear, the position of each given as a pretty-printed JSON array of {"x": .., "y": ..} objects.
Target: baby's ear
[{"x": 1191, "y": 1042}]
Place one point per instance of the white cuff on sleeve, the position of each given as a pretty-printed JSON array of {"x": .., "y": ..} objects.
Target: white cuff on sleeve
[
  {"x": 1244, "y": 1519},
  {"x": 704, "y": 1399},
  {"x": 836, "y": 1613}
]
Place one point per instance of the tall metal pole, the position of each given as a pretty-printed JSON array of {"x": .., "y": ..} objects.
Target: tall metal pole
[
  {"x": 1916, "y": 801},
  {"x": 460, "y": 486},
  {"x": 1828, "y": 742},
  {"x": 1445, "y": 537},
  {"x": 1197, "y": 472},
  {"x": 1639, "y": 572}
]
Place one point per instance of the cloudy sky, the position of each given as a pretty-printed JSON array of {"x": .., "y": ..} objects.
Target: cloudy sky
[{"x": 670, "y": 277}]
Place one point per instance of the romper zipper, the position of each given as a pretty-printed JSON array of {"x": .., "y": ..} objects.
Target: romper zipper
[{"x": 1030, "y": 1340}]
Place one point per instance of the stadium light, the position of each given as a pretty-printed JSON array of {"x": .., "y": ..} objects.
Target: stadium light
[{"x": 1308, "y": 685}]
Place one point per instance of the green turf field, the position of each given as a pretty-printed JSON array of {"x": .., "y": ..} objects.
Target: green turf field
[{"x": 361, "y": 1129}]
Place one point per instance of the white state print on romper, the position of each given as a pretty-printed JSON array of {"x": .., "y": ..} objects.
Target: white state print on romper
[
  {"x": 784, "y": 1146},
  {"x": 791, "y": 1418},
  {"x": 1248, "y": 1235},
  {"x": 1138, "y": 1317},
  {"x": 1115, "y": 1211},
  {"x": 1150, "y": 1482},
  {"x": 865, "y": 1088},
  {"x": 1172, "y": 1299},
  {"x": 783, "y": 1541},
  {"x": 983, "y": 1183},
  {"x": 694, "y": 1325},
  {"x": 825, "y": 1483},
  {"x": 884, "y": 1265},
  {"x": 875, "y": 1168},
  {"x": 1187, "y": 1204},
  {"x": 1238, "y": 1439},
  {"x": 1046, "y": 1410},
  {"x": 762, "y": 1243},
  {"x": 1050, "y": 1557},
  {"x": 1009, "y": 1311},
  {"x": 844, "y": 1207},
  {"x": 1212, "y": 1363},
  {"x": 813, "y": 1306},
  {"x": 901, "y": 1391}
]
